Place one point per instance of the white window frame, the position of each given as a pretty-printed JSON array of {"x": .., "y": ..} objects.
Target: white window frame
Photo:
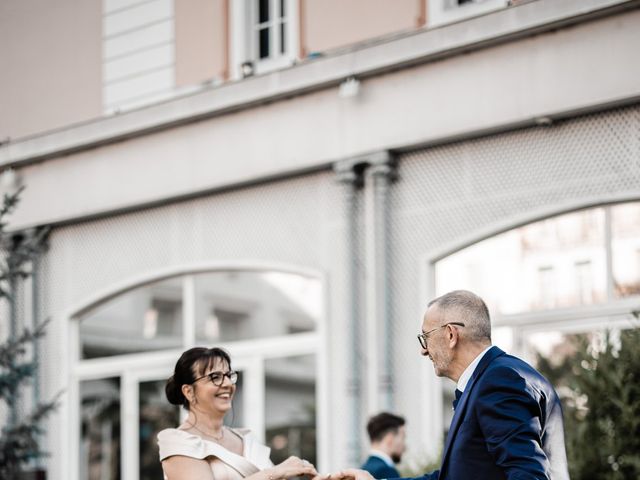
[
  {"x": 248, "y": 356},
  {"x": 244, "y": 46},
  {"x": 441, "y": 12}
]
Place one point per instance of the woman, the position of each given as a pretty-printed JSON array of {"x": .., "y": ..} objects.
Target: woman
[{"x": 203, "y": 448}]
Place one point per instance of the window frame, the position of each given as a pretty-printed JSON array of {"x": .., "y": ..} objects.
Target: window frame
[
  {"x": 244, "y": 46},
  {"x": 249, "y": 356},
  {"x": 611, "y": 313},
  {"x": 441, "y": 12}
]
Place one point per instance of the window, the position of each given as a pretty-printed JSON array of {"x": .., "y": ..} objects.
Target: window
[
  {"x": 448, "y": 11},
  {"x": 128, "y": 344},
  {"x": 552, "y": 284},
  {"x": 533, "y": 267},
  {"x": 145, "y": 319},
  {"x": 270, "y": 29},
  {"x": 264, "y": 35}
]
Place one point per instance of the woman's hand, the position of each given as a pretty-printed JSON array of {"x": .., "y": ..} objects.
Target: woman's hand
[{"x": 292, "y": 467}]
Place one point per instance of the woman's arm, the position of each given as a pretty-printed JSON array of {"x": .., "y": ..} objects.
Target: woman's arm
[{"x": 179, "y": 467}]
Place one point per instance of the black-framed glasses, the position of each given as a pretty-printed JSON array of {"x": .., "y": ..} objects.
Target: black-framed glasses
[
  {"x": 217, "y": 378},
  {"x": 423, "y": 338}
]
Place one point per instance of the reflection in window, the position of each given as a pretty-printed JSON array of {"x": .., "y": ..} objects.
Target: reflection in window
[
  {"x": 235, "y": 418},
  {"x": 584, "y": 279},
  {"x": 100, "y": 429},
  {"x": 145, "y": 319},
  {"x": 534, "y": 267},
  {"x": 291, "y": 406},
  {"x": 155, "y": 414},
  {"x": 625, "y": 248},
  {"x": 234, "y": 306},
  {"x": 547, "y": 289}
]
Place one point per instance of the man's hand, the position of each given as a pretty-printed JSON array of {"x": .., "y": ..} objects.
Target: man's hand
[{"x": 351, "y": 474}]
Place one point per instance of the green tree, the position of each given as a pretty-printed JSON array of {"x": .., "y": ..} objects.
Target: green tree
[
  {"x": 599, "y": 384},
  {"x": 19, "y": 445}
]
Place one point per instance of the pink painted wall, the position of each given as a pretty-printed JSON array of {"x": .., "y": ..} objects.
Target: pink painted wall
[
  {"x": 200, "y": 41},
  {"x": 50, "y": 64},
  {"x": 336, "y": 23}
]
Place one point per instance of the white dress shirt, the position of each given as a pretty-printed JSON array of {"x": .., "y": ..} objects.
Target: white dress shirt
[{"x": 466, "y": 375}]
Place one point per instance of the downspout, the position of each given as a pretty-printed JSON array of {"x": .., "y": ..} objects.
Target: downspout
[
  {"x": 349, "y": 175},
  {"x": 379, "y": 176}
]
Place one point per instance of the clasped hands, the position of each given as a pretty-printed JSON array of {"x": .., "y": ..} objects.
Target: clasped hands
[
  {"x": 295, "y": 466},
  {"x": 346, "y": 474}
]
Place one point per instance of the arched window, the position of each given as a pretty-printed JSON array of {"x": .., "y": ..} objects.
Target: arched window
[
  {"x": 128, "y": 343},
  {"x": 545, "y": 283}
]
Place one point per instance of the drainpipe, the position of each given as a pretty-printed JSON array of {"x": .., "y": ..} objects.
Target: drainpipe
[
  {"x": 350, "y": 176},
  {"x": 378, "y": 179}
]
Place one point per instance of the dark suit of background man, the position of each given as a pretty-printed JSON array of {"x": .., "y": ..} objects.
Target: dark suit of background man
[
  {"x": 507, "y": 421},
  {"x": 387, "y": 434}
]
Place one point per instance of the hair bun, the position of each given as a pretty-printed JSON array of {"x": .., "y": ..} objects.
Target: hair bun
[{"x": 173, "y": 391}]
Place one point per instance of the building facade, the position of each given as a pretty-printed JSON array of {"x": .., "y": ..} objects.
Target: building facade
[{"x": 293, "y": 180}]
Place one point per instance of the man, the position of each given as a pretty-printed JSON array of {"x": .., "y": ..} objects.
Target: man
[
  {"x": 507, "y": 421},
  {"x": 387, "y": 434}
]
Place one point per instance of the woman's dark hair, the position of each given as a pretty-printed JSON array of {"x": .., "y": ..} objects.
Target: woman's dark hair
[{"x": 191, "y": 364}]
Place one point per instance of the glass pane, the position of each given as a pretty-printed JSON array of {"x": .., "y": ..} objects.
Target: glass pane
[
  {"x": 100, "y": 429},
  {"x": 144, "y": 319},
  {"x": 554, "y": 263},
  {"x": 155, "y": 414},
  {"x": 291, "y": 407},
  {"x": 625, "y": 249},
  {"x": 234, "y": 306},
  {"x": 263, "y": 42},
  {"x": 283, "y": 38},
  {"x": 263, "y": 11}
]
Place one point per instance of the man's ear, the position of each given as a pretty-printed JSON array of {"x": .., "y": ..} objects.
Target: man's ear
[
  {"x": 387, "y": 440},
  {"x": 452, "y": 336}
]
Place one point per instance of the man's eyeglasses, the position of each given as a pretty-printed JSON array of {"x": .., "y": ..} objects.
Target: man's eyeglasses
[
  {"x": 423, "y": 338},
  {"x": 217, "y": 378}
]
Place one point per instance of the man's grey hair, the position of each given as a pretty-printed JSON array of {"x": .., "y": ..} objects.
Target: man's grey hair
[{"x": 468, "y": 308}]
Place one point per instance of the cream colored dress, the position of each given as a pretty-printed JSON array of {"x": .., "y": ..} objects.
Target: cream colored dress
[{"x": 225, "y": 464}]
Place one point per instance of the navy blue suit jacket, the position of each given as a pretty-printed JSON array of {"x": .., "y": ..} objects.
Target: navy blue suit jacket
[
  {"x": 507, "y": 425},
  {"x": 379, "y": 469}
]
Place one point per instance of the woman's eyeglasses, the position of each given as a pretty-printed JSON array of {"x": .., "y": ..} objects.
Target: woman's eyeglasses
[{"x": 217, "y": 378}]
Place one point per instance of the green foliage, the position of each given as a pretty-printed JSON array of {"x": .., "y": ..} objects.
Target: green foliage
[
  {"x": 18, "y": 438},
  {"x": 600, "y": 390}
]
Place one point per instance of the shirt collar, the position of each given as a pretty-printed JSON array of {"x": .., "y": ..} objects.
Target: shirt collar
[
  {"x": 382, "y": 456},
  {"x": 466, "y": 375}
]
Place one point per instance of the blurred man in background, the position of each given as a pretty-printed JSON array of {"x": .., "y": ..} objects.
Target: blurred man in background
[{"x": 387, "y": 435}]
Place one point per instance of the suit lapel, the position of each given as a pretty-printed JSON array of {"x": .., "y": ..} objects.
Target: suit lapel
[{"x": 458, "y": 415}]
